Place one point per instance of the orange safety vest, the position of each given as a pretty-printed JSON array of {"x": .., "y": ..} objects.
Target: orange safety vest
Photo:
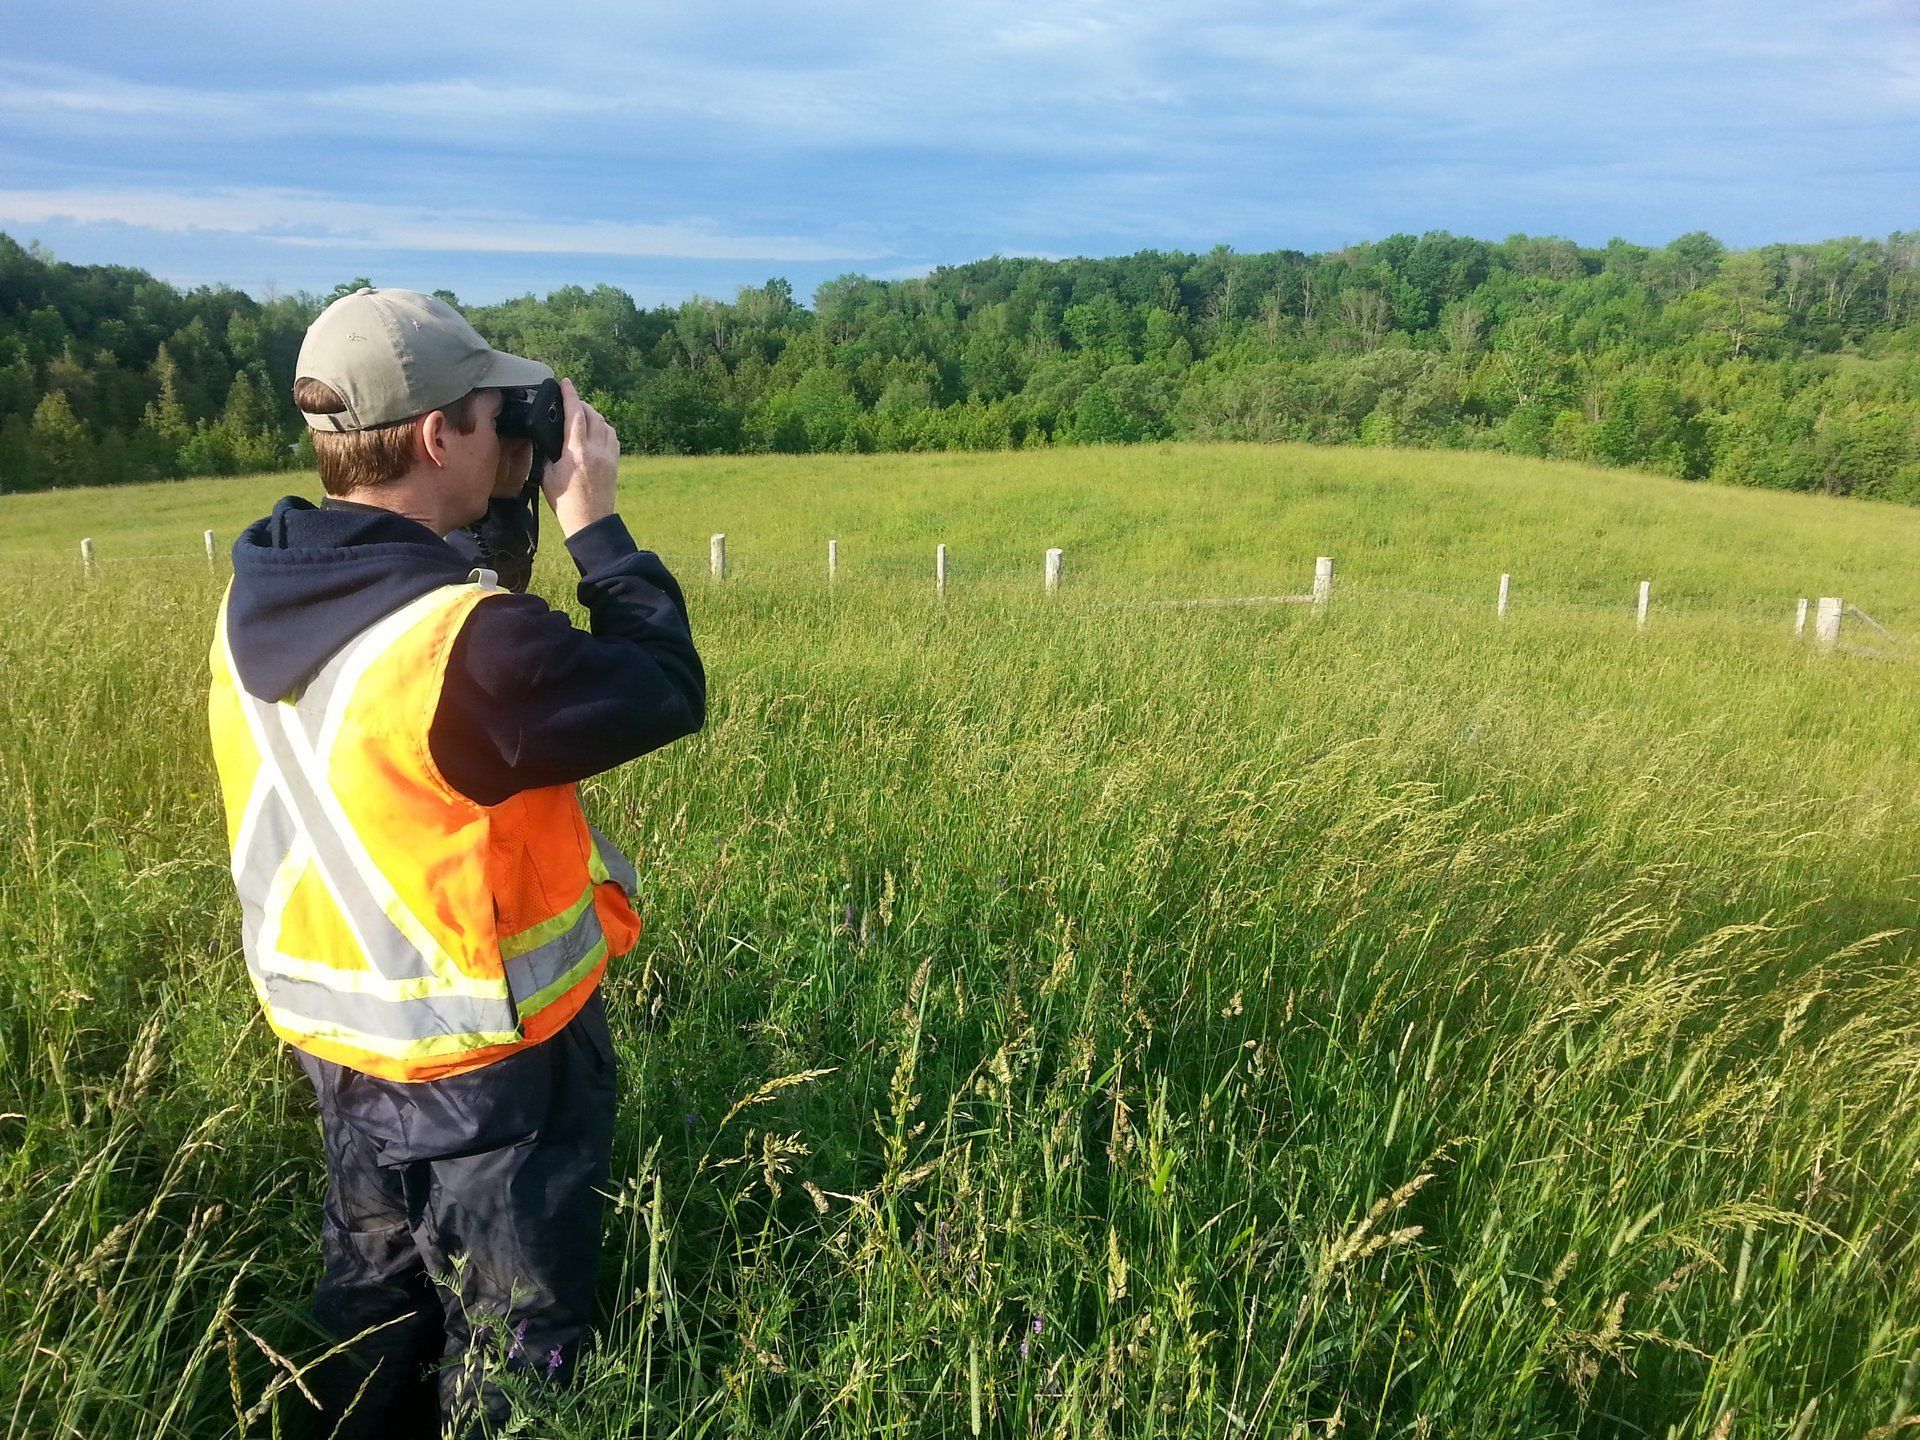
[{"x": 390, "y": 923}]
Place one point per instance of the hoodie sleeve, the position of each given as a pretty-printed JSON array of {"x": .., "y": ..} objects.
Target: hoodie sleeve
[{"x": 531, "y": 700}]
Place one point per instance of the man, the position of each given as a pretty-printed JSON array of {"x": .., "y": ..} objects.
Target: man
[{"x": 426, "y": 912}]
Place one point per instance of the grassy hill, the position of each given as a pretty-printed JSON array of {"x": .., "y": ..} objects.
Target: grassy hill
[
  {"x": 1082, "y": 1018},
  {"x": 1196, "y": 518}
]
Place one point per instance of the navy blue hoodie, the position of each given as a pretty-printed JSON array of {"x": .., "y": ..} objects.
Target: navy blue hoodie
[{"x": 529, "y": 699}]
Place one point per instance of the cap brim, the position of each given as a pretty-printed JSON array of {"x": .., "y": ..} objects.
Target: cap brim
[{"x": 505, "y": 370}]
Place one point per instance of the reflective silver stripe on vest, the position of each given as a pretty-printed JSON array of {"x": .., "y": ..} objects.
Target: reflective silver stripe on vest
[
  {"x": 286, "y": 756},
  {"x": 315, "y": 700},
  {"x": 537, "y": 978},
  {"x": 557, "y": 960},
  {"x": 266, "y": 835},
  {"x": 404, "y": 1022},
  {"x": 619, "y": 869}
]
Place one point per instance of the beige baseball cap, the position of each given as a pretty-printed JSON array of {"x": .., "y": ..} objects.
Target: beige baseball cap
[{"x": 395, "y": 354}]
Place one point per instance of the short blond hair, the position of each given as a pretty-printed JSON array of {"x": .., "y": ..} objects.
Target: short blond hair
[{"x": 351, "y": 460}]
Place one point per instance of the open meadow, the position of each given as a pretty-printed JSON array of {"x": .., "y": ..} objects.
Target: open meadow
[{"x": 1062, "y": 1016}]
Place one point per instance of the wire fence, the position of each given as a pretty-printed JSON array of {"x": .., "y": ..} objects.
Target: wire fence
[{"x": 1830, "y": 622}]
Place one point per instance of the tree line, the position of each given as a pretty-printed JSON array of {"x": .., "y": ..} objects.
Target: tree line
[{"x": 1790, "y": 366}]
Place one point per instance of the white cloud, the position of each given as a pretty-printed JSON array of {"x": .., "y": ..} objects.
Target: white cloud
[
  {"x": 847, "y": 131},
  {"x": 64, "y": 94},
  {"x": 1066, "y": 76},
  {"x": 1049, "y": 34},
  {"x": 302, "y": 218}
]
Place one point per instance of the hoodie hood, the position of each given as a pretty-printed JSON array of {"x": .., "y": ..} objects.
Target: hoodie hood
[{"x": 306, "y": 580}]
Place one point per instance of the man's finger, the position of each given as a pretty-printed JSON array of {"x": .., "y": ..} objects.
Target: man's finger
[{"x": 580, "y": 421}]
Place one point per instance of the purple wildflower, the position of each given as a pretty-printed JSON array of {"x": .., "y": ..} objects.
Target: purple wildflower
[
  {"x": 519, "y": 1347},
  {"x": 1039, "y": 1324},
  {"x": 553, "y": 1361}
]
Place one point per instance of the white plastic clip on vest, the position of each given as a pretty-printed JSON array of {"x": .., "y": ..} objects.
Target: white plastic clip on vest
[{"x": 485, "y": 579}]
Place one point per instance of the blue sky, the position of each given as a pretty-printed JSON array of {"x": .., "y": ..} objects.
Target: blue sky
[{"x": 498, "y": 149}]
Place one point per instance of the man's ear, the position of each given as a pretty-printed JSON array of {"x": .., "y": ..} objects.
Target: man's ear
[{"x": 430, "y": 440}]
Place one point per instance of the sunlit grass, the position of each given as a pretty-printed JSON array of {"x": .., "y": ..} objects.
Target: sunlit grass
[
  {"x": 1193, "y": 1022},
  {"x": 1195, "y": 519}
]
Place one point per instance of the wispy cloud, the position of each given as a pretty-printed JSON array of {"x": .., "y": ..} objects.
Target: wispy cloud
[
  {"x": 1104, "y": 84},
  {"x": 846, "y": 133},
  {"x": 293, "y": 217}
]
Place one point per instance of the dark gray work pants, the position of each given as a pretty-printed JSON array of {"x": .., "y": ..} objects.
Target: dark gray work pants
[{"x": 463, "y": 1218}]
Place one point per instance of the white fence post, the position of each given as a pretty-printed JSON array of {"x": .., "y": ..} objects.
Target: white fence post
[
  {"x": 86, "y": 556},
  {"x": 1322, "y": 581},
  {"x": 1826, "y": 622},
  {"x": 207, "y": 536},
  {"x": 1800, "y": 619},
  {"x": 940, "y": 571},
  {"x": 718, "y": 556},
  {"x": 1055, "y": 562},
  {"x": 1500, "y": 605},
  {"x": 1646, "y": 603},
  {"x": 833, "y": 560}
]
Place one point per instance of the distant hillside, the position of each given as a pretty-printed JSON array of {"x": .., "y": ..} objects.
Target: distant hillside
[{"x": 1790, "y": 366}]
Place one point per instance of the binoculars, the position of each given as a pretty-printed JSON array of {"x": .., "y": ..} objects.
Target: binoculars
[{"x": 534, "y": 412}]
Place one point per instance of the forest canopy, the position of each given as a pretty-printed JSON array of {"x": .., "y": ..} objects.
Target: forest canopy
[{"x": 1790, "y": 366}]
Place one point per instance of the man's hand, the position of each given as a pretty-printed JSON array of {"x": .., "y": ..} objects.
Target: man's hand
[{"x": 580, "y": 483}]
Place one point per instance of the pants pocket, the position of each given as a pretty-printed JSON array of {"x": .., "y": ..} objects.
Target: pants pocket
[{"x": 596, "y": 1039}]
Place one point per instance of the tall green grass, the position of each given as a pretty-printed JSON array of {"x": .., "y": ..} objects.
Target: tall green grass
[{"x": 1084, "y": 1019}]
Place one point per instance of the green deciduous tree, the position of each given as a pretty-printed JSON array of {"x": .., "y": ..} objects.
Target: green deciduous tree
[
  {"x": 1787, "y": 365},
  {"x": 59, "y": 450}
]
